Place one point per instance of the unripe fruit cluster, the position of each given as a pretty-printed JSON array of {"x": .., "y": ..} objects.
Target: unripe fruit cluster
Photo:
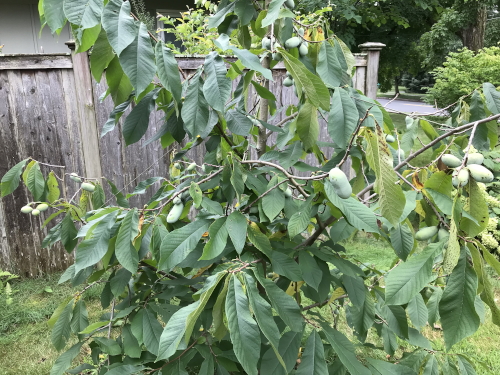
[
  {"x": 473, "y": 169},
  {"x": 340, "y": 183},
  {"x": 176, "y": 211},
  {"x": 35, "y": 211}
]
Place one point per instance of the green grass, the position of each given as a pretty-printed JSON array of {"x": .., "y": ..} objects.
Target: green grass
[
  {"x": 402, "y": 94},
  {"x": 25, "y": 346}
]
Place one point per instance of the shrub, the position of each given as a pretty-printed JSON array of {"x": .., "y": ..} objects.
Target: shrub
[{"x": 463, "y": 72}]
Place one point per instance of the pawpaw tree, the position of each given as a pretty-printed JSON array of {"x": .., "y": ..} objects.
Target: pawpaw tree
[{"x": 235, "y": 266}]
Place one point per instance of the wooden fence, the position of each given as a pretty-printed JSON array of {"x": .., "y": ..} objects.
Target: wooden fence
[{"x": 50, "y": 110}]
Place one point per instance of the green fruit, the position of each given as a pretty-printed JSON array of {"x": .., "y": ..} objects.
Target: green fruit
[
  {"x": 26, "y": 209},
  {"x": 75, "y": 177},
  {"x": 42, "y": 207},
  {"x": 451, "y": 161},
  {"x": 301, "y": 31},
  {"x": 177, "y": 200},
  {"x": 475, "y": 158},
  {"x": 35, "y": 212},
  {"x": 303, "y": 50},
  {"x": 290, "y": 4},
  {"x": 463, "y": 177},
  {"x": 287, "y": 82},
  {"x": 454, "y": 179},
  {"x": 293, "y": 42},
  {"x": 288, "y": 193},
  {"x": 389, "y": 138},
  {"x": 401, "y": 154},
  {"x": 443, "y": 234},
  {"x": 254, "y": 210},
  {"x": 177, "y": 166},
  {"x": 266, "y": 43},
  {"x": 191, "y": 167},
  {"x": 88, "y": 187},
  {"x": 340, "y": 183},
  {"x": 277, "y": 56},
  {"x": 426, "y": 233},
  {"x": 480, "y": 173},
  {"x": 288, "y": 74},
  {"x": 175, "y": 213}
]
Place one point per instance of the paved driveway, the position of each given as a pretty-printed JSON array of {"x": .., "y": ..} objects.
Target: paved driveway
[{"x": 409, "y": 107}]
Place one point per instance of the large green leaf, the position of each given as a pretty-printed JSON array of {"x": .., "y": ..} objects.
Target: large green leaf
[
  {"x": 285, "y": 305},
  {"x": 217, "y": 87},
  {"x": 195, "y": 112},
  {"x": 329, "y": 67},
  {"x": 64, "y": 361},
  {"x": 244, "y": 332},
  {"x": 80, "y": 318},
  {"x": 119, "y": 25},
  {"x": 218, "y": 239},
  {"x": 313, "y": 360},
  {"x": 68, "y": 233},
  {"x": 36, "y": 182},
  {"x": 85, "y": 14},
  {"x": 402, "y": 240},
  {"x": 174, "y": 331},
  {"x": 407, "y": 279},
  {"x": 273, "y": 12},
  {"x": 101, "y": 56},
  {"x": 204, "y": 295},
  {"x": 362, "y": 316},
  {"x": 305, "y": 81},
  {"x": 392, "y": 200},
  {"x": 119, "y": 85},
  {"x": 492, "y": 98},
  {"x": 91, "y": 250},
  {"x": 343, "y": 118},
  {"x": 345, "y": 351},
  {"x": 274, "y": 201},
  {"x": 10, "y": 181},
  {"x": 309, "y": 270},
  {"x": 62, "y": 327},
  {"x": 456, "y": 308},
  {"x": 53, "y": 11},
  {"x": 300, "y": 219},
  {"x": 236, "y": 225},
  {"x": 177, "y": 244},
  {"x": 238, "y": 122},
  {"x": 308, "y": 126},
  {"x": 138, "y": 61},
  {"x": 355, "y": 212},
  {"x": 478, "y": 209},
  {"x": 124, "y": 250},
  {"x": 151, "y": 331},
  {"x": 168, "y": 70},
  {"x": 263, "y": 315},
  {"x": 288, "y": 350},
  {"x": 417, "y": 311},
  {"x": 137, "y": 122}
]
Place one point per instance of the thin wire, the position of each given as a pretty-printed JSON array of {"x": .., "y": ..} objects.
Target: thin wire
[{"x": 135, "y": 179}]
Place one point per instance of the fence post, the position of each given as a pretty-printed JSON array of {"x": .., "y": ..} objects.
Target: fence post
[
  {"x": 373, "y": 52},
  {"x": 86, "y": 112}
]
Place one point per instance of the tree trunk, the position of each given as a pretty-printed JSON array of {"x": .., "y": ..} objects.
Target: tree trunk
[
  {"x": 473, "y": 36},
  {"x": 396, "y": 85}
]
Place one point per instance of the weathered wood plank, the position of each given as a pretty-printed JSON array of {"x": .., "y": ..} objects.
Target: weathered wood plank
[{"x": 35, "y": 62}]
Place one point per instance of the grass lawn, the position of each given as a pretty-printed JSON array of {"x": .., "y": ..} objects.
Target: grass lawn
[
  {"x": 402, "y": 94},
  {"x": 25, "y": 346}
]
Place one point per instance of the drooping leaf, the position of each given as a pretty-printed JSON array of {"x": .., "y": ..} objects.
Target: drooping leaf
[
  {"x": 177, "y": 244},
  {"x": 53, "y": 11},
  {"x": 62, "y": 327},
  {"x": 273, "y": 202},
  {"x": 407, "y": 279},
  {"x": 402, "y": 240},
  {"x": 124, "y": 250},
  {"x": 456, "y": 308},
  {"x": 151, "y": 331},
  {"x": 85, "y": 14},
  {"x": 138, "y": 61},
  {"x": 478, "y": 209},
  {"x": 101, "y": 56},
  {"x": 272, "y": 12},
  {"x": 243, "y": 329},
  {"x": 305, "y": 81},
  {"x": 288, "y": 350},
  {"x": 236, "y": 225},
  {"x": 329, "y": 67},
  {"x": 217, "y": 233},
  {"x": 217, "y": 87},
  {"x": 417, "y": 311},
  {"x": 386, "y": 368},
  {"x": 392, "y": 200},
  {"x": 119, "y": 25},
  {"x": 64, "y": 361},
  {"x": 195, "y": 112},
  {"x": 168, "y": 70},
  {"x": 308, "y": 126},
  {"x": 35, "y": 182},
  {"x": 343, "y": 118},
  {"x": 492, "y": 98},
  {"x": 313, "y": 360},
  {"x": 345, "y": 351},
  {"x": 68, "y": 233},
  {"x": 137, "y": 122}
]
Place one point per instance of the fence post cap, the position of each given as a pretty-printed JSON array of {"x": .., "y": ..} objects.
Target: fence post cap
[
  {"x": 371, "y": 46},
  {"x": 71, "y": 44}
]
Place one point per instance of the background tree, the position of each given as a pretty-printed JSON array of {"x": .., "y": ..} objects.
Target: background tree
[{"x": 258, "y": 271}]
